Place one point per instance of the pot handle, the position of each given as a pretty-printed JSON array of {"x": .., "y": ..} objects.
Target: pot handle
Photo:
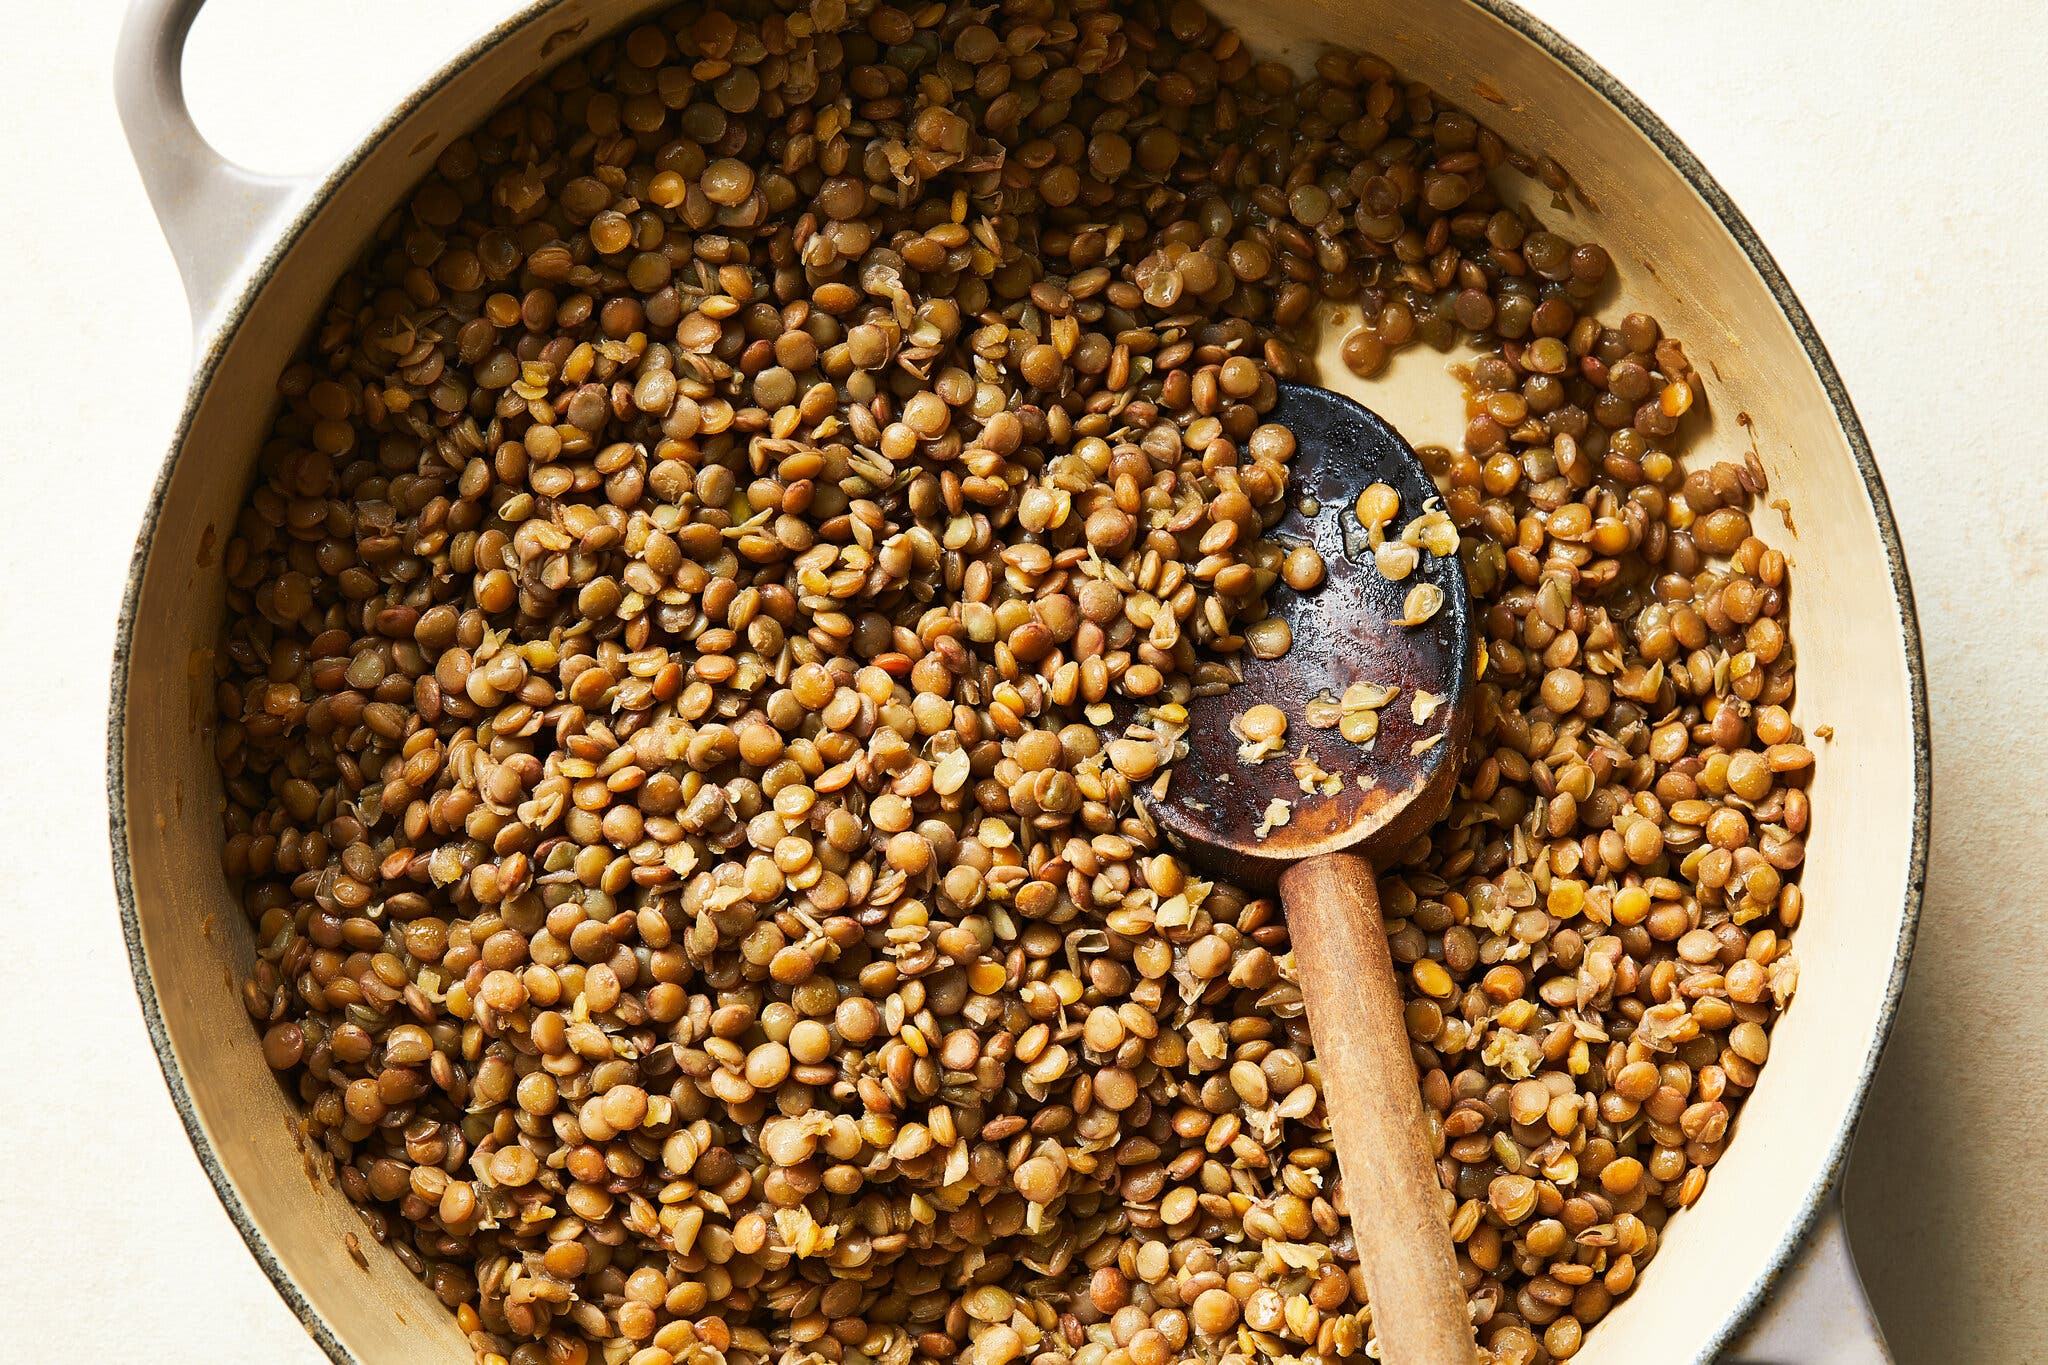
[
  {"x": 211, "y": 210},
  {"x": 1817, "y": 1313}
]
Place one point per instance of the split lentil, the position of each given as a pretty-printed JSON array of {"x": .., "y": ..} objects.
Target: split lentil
[{"x": 690, "y": 905}]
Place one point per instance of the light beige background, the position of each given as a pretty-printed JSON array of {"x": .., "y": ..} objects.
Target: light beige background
[{"x": 1890, "y": 154}]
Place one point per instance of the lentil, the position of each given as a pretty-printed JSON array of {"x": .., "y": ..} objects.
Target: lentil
[{"x": 690, "y": 908}]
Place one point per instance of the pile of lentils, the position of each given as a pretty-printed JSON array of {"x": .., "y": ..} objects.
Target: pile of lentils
[{"x": 690, "y": 902}]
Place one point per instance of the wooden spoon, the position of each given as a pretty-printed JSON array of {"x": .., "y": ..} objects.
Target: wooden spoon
[{"x": 1217, "y": 807}]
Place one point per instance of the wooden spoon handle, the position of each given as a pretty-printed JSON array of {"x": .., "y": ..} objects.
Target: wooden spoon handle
[{"x": 1383, "y": 1148}]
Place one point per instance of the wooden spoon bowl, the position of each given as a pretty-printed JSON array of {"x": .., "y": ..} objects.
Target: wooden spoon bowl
[{"x": 1345, "y": 632}]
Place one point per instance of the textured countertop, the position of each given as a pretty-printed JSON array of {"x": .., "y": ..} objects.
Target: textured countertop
[{"x": 1889, "y": 154}]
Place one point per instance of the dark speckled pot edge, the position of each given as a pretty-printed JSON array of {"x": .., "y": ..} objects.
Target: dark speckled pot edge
[{"x": 1543, "y": 36}]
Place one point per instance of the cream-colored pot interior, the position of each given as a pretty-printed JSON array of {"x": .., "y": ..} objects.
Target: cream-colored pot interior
[{"x": 1676, "y": 258}]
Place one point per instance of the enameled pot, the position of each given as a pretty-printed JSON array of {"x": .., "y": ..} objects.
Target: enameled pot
[{"x": 260, "y": 254}]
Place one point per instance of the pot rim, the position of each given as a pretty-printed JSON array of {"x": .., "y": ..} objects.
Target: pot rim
[{"x": 1507, "y": 12}]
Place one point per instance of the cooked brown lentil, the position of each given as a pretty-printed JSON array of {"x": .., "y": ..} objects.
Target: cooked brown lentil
[{"x": 690, "y": 905}]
